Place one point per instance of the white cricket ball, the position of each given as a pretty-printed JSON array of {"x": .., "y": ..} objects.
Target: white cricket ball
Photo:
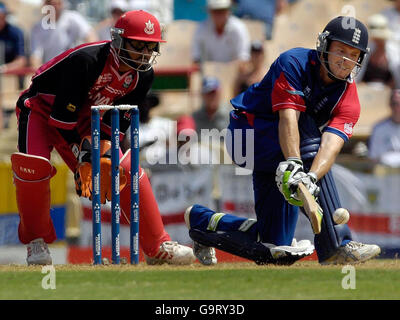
[{"x": 341, "y": 216}]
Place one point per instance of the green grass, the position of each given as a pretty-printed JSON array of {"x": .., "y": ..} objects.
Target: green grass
[{"x": 377, "y": 279}]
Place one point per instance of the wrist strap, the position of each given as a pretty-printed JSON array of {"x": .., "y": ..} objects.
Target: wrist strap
[
  {"x": 295, "y": 159},
  {"x": 313, "y": 176}
]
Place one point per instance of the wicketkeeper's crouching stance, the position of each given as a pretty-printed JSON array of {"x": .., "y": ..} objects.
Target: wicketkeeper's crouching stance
[
  {"x": 302, "y": 112},
  {"x": 54, "y": 112}
]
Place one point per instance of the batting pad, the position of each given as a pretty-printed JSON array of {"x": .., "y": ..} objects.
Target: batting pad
[{"x": 332, "y": 235}]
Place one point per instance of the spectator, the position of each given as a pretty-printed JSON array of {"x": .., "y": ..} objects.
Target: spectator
[
  {"x": 378, "y": 67},
  {"x": 211, "y": 115},
  {"x": 190, "y": 150},
  {"x": 117, "y": 9},
  {"x": 70, "y": 29},
  {"x": 222, "y": 37},
  {"x": 149, "y": 126},
  {"x": 254, "y": 70},
  {"x": 163, "y": 10},
  {"x": 12, "y": 54},
  {"x": 392, "y": 15},
  {"x": 263, "y": 10},
  {"x": 384, "y": 143}
]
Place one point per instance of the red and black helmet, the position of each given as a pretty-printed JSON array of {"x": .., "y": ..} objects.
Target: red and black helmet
[{"x": 141, "y": 26}]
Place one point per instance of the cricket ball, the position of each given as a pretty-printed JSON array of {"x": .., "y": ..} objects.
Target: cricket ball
[{"x": 341, "y": 216}]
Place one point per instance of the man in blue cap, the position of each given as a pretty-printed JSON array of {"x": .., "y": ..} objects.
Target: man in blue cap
[
  {"x": 211, "y": 115},
  {"x": 12, "y": 50}
]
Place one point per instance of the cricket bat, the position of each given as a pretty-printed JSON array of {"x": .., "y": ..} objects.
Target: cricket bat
[{"x": 311, "y": 208}]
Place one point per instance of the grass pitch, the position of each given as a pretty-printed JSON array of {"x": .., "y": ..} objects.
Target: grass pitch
[{"x": 377, "y": 279}]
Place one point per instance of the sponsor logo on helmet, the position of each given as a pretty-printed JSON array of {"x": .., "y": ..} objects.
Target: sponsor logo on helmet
[
  {"x": 348, "y": 128},
  {"x": 149, "y": 29},
  {"x": 356, "y": 35}
]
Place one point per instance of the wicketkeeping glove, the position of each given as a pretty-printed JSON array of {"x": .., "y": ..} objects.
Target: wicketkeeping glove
[
  {"x": 83, "y": 172},
  {"x": 105, "y": 176}
]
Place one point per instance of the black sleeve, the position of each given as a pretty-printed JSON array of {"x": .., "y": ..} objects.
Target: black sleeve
[
  {"x": 75, "y": 77},
  {"x": 72, "y": 88},
  {"x": 135, "y": 97}
]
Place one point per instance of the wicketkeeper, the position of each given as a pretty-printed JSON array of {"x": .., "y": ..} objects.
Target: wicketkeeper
[{"x": 54, "y": 112}]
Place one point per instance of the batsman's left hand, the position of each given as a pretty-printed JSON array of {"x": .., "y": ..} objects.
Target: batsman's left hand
[
  {"x": 285, "y": 179},
  {"x": 288, "y": 176}
]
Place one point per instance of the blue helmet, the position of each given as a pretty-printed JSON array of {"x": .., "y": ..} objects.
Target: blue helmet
[{"x": 348, "y": 30}]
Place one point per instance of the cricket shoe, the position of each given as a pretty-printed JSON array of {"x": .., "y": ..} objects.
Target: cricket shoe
[
  {"x": 206, "y": 255},
  {"x": 352, "y": 253},
  {"x": 287, "y": 255},
  {"x": 172, "y": 252},
  {"x": 38, "y": 253}
]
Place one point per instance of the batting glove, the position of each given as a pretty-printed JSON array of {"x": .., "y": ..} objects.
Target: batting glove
[{"x": 287, "y": 178}]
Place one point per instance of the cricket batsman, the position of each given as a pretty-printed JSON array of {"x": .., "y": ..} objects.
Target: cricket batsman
[
  {"x": 302, "y": 113},
  {"x": 54, "y": 112}
]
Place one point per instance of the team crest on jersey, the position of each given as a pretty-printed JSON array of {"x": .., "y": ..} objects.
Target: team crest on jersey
[
  {"x": 149, "y": 29},
  {"x": 356, "y": 35},
  {"x": 348, "y": 128},
  {"x": 128, "y": 81}
]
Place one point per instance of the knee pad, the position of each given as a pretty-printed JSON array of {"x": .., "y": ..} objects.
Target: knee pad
[
  {"x": 310, "y": 139},
  {"x": 308, "y": 150},
  {"x": 32, "y": 176},
  {"x": 125, "y": 163},
  {"x": 31, "y": 168}
]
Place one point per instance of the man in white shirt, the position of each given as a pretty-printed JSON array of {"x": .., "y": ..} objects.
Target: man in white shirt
[
  {"x": 392, "y": 15},
  {"x": 163, "y": 10},
  {"x": 70, "y": 29},
  {"x": 384, "y": 144},
  {"x": 222, "y": 37},
  {"x": 117, "y": 9}
]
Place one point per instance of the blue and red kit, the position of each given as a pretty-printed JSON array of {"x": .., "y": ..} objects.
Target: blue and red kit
[{"x": 293, "y": 81}]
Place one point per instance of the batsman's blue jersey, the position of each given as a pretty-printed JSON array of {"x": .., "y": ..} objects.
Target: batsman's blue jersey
[{"x": 293, "y": 81}]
